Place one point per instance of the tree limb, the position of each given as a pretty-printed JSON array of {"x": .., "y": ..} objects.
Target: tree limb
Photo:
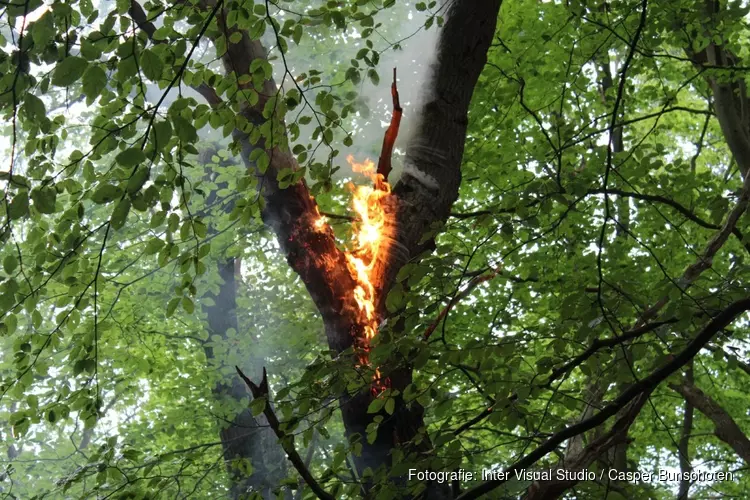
[
  {"x": 726, "y": 428},
  {"x": 287, "y": 441},
  {"x": 389, "y": 139},
  {"x": 473, "y": 283},
  {"x": 645, "y": 385},
  {"x": 705, "y": 260},
  {"x": 546, "y": 490}
]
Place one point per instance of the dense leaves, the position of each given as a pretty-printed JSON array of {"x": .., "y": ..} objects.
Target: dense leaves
[{"x": 600, "y": 227}]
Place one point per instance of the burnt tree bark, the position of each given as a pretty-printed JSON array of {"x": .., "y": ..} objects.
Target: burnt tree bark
[{"x": 421, "y": 198}]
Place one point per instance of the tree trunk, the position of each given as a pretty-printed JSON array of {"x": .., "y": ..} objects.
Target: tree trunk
[
  {"x": 421, "y": 199},
  {"x": 246, "y": 440},
  {"x": 243, "y": 437}
]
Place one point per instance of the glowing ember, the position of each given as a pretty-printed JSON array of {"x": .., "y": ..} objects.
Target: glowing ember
[
  {"x": 320, "y": 224},
  {"x": 370, "y": 240}
]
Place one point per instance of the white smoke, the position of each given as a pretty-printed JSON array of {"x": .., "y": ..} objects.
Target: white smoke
[{"x": 402, "y": 42}]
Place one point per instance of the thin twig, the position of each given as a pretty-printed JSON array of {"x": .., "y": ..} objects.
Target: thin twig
[{"x": 473, "y": 283}]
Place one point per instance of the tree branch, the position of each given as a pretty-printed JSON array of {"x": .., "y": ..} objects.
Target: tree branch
[
  {"x": 473, "y": 283},
  {"x": 726, "y": 428},
  {"x": 389, "y": 139},
  {"x": 595, "y": 346},
  {"x": 546, "y": 490},
  {"x": 705, "y": 260},
  {"x": 677, "y": 206},
  {"x": 287, "y": 441},
  {"x": 644, "y": 386}
]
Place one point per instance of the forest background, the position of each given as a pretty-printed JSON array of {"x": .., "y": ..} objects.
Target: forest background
[{"x": 556, "y": 279}]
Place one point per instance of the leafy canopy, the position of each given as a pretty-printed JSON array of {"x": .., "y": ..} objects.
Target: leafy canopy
[{"x": 122, "y": 190}]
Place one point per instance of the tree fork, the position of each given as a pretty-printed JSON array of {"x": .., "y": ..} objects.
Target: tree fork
[{"x": 415, "y": 205}]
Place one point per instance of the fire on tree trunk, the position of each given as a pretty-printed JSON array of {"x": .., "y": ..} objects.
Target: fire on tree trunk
[{"x": 421, "y": 199}]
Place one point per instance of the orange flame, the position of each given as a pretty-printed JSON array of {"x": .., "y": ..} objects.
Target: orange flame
[
  {"x": 370, "y": 237},
  {"x": 320, "y": 223}
]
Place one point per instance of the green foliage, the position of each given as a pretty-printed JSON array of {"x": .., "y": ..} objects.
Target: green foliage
[{"x": 118, "y": 214}]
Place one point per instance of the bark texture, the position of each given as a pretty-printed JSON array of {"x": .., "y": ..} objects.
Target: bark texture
[{"x": 731, "y": 103}]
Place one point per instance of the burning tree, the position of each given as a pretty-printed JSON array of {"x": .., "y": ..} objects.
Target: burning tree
[
  {"x": 585, "y": 291},
  {"x": 350, "y": 288}
]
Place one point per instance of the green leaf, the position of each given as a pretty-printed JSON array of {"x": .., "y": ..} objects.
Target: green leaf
[
  {"x": 19, "y": 206},
  {"x": 94, "y": 81},
  {"x": 151, "y": 65},
  {"x": 106, "y": 193},
  {"x": 34, "y": 107},
  {"x": 257, "y": 406},
  {"x": 130, "y": 157},
  {"x": 188, "y": 305},
  {"x": 44, "y": 199},
  {"x": 10, "y": 262},
  {"x": 162, "y": 134},
  {"x": 373, "y": 75},
  {"x": 390, "y": 406},
  {"x": 263, "y": 161},
  {"x": 43, "y": 30},
  {"x": 172, "y": 306},
  {"x": 395, "y": 299},
  {"x": 120, "y": 213},
  {"x": 153, "y": 246},
  {"x": 200, "y": 229},
  {"x": 375, "y": 405},
  {"x": 184, "y": 129},
  {"x": 69, "y": 71},
  {"x": 11, "y": 323},
  {"x": 137, "y": 180}
]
